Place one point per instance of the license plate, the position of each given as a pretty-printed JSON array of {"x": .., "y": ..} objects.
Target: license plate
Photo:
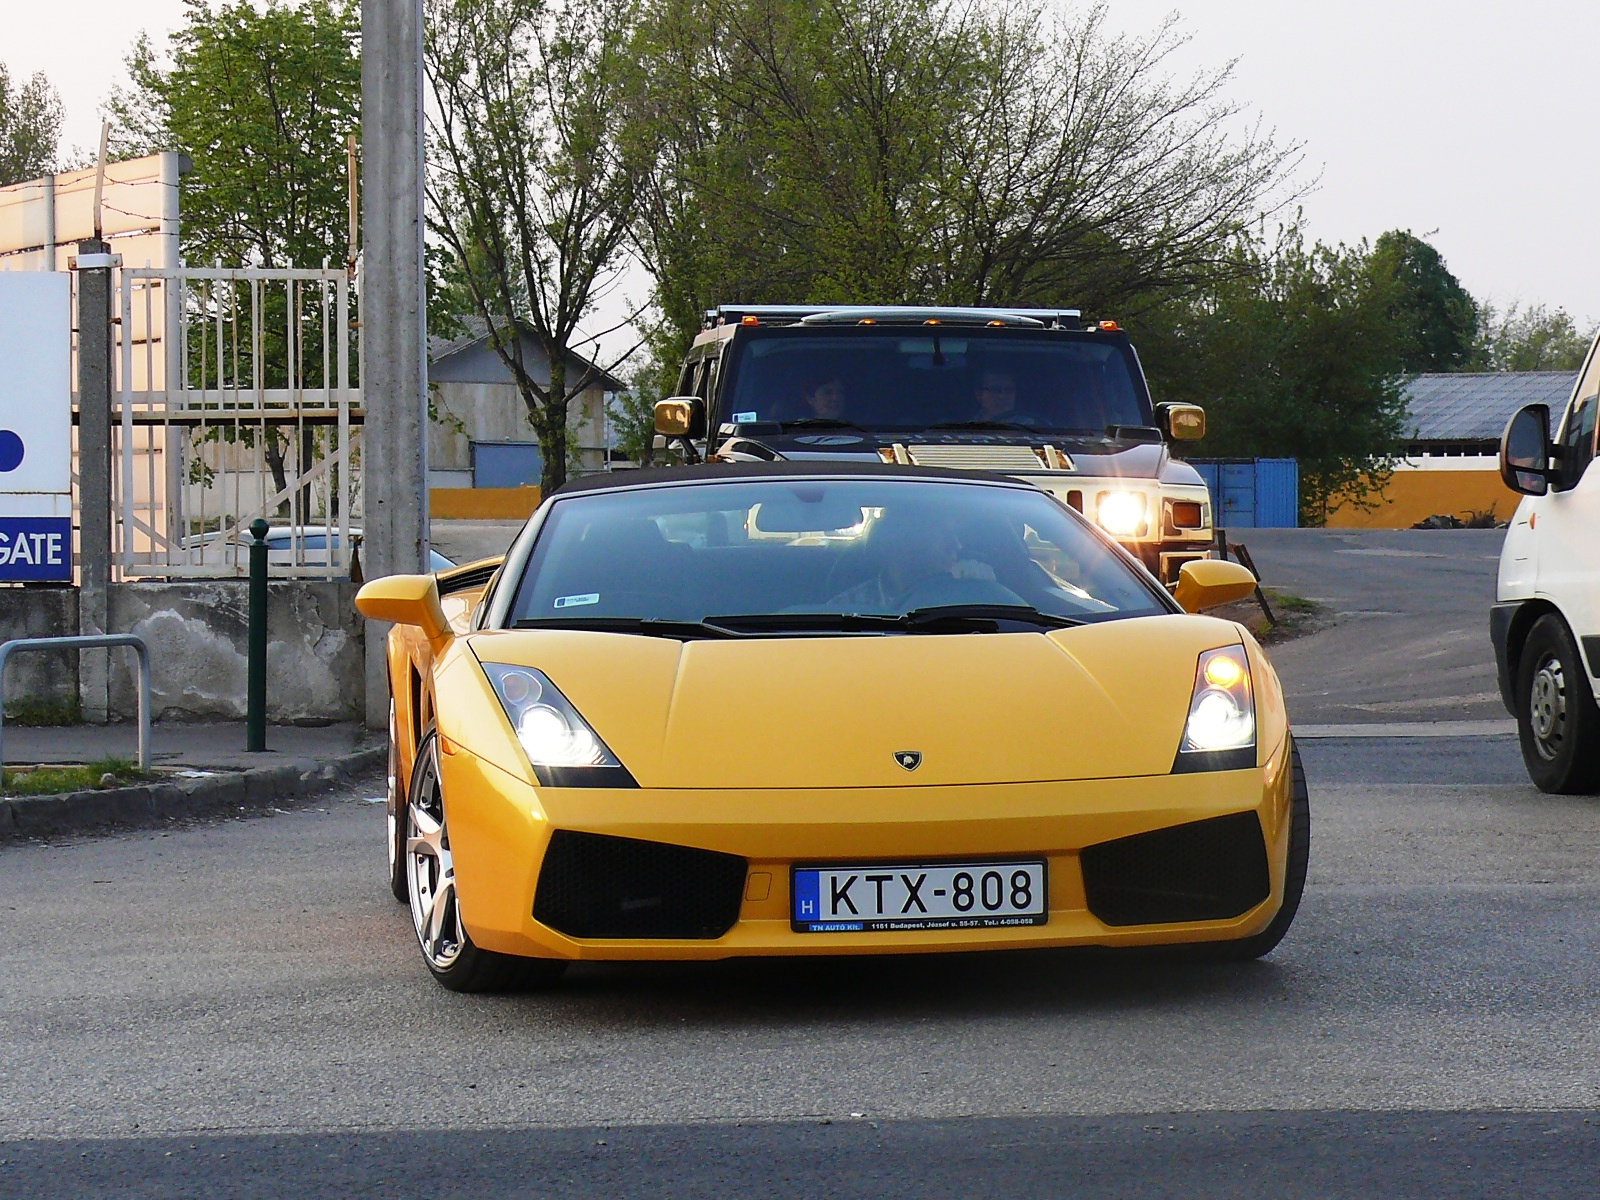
[{"x": 859, "y": 899}]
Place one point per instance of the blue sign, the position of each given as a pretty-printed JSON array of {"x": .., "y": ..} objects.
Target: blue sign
[{"x": 36, "y": 549}]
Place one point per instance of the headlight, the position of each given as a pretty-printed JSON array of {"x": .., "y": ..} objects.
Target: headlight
[
  {"x": 1121, "y": 514},
  {"x": 1220, "y": 733},
  {"x": 561, "y": 746}
]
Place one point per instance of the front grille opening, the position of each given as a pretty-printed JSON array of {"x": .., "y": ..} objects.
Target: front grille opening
[
  {"x": 1209, "y": 870},
  {"x": 595, "y": 886}
]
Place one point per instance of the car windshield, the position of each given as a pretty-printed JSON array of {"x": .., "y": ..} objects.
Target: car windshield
[
  {"x": 897, "y": 380},
  {"x": 789, "y": 554}
]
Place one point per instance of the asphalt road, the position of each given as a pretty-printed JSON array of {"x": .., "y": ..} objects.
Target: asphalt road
[{"x": 238, "y": 1009}]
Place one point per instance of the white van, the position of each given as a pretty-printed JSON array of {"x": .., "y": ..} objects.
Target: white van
[{"x": 1546, "y": 624}]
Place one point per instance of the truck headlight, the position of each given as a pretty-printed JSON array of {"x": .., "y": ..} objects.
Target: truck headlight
[{"x": 1121, "y": 514}]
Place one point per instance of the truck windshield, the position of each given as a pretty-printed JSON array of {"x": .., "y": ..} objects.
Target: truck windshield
[{"x": 901, "y": 380}]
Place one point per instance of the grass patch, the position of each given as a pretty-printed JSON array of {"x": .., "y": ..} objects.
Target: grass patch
[
  {"x": 30, "y": 710},
  {"x": 53, "y": 780},
  {"x": 1297, "y": 616}
]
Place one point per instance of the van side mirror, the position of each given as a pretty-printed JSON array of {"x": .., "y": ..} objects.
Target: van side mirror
[
  {"x": 1182, "y": 422},
  {"x": 680, "y": 416},
  {"x": 1525, "y": 451}
]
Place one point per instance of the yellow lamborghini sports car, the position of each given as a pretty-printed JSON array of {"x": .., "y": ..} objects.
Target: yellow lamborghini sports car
[{"x": 796, "y": 708}]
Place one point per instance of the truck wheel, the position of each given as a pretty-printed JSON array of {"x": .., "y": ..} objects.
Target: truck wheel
[{"x": 1557, "y": 720}]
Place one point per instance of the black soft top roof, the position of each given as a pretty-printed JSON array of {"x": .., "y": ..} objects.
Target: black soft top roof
[{"x": 813, "y": 469}]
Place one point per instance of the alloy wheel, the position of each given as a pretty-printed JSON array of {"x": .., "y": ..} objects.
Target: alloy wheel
[{"x": 430, "y": 869}]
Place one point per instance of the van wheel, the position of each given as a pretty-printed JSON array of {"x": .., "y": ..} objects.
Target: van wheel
[{"x": 1557, "y": 721}]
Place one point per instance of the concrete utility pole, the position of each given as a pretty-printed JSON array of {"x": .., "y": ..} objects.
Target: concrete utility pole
[
  {"x": 394, "y": 365},
  {"x": 95, "y": 344}
]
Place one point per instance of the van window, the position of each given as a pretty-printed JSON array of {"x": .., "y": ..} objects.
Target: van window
[{"x": 1578, "y": 439}]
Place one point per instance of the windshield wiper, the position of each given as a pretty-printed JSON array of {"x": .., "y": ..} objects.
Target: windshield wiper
[
  {"x": 649, "y": 626},
  {"x": 981, "y": 616},
  {"x": 745, "y": 624},
  {"x": 984, "y": 425}
]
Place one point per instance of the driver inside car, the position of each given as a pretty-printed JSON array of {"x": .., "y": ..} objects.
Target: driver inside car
[{"x": 907, "y": 554}]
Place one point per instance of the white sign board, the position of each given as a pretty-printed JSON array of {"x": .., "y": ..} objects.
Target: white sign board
[{"x": 35, "y": 426}]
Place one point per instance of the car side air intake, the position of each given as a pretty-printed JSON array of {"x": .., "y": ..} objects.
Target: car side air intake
[
  {"x": 1204, "y": 871},
  {"x": 595, "y": 886}
]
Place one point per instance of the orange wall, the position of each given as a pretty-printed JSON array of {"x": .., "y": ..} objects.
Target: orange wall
[
  {"x": 1412, "y": 496},
  {"x": 483, "y": 504}
]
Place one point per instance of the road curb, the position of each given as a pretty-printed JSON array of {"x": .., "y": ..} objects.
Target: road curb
[{"x": 153, "y": 804}]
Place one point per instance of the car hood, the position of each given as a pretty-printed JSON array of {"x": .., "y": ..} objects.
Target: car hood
[{"x": 1093, "y": 702}]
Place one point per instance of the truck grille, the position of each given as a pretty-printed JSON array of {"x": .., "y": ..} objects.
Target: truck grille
[{"x": 977, "y": 458}]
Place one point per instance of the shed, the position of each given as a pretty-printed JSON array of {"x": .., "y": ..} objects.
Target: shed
[
  {"x": 475, "y": 402},
  {"x": 1464, "y": 413}
]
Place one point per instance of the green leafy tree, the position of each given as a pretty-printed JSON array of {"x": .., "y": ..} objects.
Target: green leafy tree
[
  {"x": 1437, "y": 317},
  {"x": 529, "y": 192},
  {"x": 263, "y": 100},
  {"x": 930, "y": 151},
  {"x": 1294, "y": 356},
  {"x": 1528, "y": 339},
  {"x": 30, "y": 128}
]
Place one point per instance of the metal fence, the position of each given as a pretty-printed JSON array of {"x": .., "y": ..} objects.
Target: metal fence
[{"x": 238, "y": 399}]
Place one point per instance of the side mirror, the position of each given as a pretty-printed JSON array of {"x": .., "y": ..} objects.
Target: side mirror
[
  {"x": 1183, "y": 422},
  {"x": 405, "y": 600},
  {"x": 1525, "y": 451},
  {"x": 680, "y": 416},
  {"x": 1208, "y": 582}
]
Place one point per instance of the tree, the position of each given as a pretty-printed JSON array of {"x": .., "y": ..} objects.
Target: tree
[
  {"x": 30, "y": 128},
  {"x": 528, "y": 187},
  {"x": 1531, "y": 339},
  {"x": 936, "y": 151},
  {"x": 1437, "y": 316},
  {"x": 262, "y": 100},
  {"x": 1295, "y": 356}
]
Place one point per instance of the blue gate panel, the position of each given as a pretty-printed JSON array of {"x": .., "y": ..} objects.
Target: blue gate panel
[
  {"x": 1277, "y": 493},
  {"x": 1260, "y": 493},
  {"x": 506, "y": 464}
]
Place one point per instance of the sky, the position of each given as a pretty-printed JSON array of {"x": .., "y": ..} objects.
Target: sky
[{"x": 1461, "y": 121}]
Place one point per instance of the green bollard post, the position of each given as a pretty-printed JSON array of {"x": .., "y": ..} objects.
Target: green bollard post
[{"x": 256, "y": 688}]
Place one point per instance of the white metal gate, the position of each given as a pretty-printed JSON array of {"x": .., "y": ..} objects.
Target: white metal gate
[{"x": 248, "y": 409}]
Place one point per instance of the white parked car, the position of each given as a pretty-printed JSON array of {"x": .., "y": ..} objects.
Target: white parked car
[
  {"x": 1546, "y": 623},
  {"x": 292, "y": 545}
]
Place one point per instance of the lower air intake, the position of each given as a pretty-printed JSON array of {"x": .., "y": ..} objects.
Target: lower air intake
[
  {"x": 593, "y": 886},
  {"x": 1204, "y": 871}
]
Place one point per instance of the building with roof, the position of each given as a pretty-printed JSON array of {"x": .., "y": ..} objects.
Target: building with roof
[
  {"x": 479, "y": 438},
  {"x": 1451, "y": 465}
]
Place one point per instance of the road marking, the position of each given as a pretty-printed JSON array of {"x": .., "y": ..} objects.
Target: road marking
[{"x": 1409, "y": 729}]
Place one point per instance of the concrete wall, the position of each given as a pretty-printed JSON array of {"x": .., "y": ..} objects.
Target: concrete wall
[
  {"x": 42, "y": 678},
  {"x": 198, "y": 637}
]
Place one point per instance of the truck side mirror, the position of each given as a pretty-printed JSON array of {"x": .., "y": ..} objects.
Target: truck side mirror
[
  {"x": 1525, "y": 451},
  {"x": 680, "y": 416},
  {"x": 1183, "y": 422}
]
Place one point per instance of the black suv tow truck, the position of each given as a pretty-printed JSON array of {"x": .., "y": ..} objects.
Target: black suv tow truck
[{"x": 1039, "y": 394}]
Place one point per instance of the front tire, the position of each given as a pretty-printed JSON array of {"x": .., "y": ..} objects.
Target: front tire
[
  {"x": 1558, "y": 723},
  {"x": 430, "y": 876}
]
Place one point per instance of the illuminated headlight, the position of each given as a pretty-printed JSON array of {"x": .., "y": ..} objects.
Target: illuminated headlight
[
  {"x": 1121, "y": 514},
  {"x": 1222, "y": 710},
  {"x": 549, "y": 728}
]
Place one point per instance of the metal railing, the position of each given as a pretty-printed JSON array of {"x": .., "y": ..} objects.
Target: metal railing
[{"x": 87, "y": 642}]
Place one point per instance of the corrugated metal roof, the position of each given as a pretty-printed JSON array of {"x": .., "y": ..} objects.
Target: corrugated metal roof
[{"x": 1475, "y": 406}]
